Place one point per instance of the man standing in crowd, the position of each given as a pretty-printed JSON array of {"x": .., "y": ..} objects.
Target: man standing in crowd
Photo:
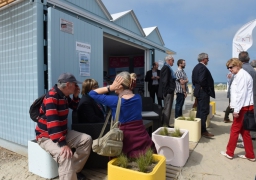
[
  {"x": 152, "y": 77},
  {"x": 181, "y": 87},
  {"x": 245, "y": 58},
  {"x": 52, "y": 133},
  {"x": 253, "y": 64},
  {"x": 166, "y": 90},
  {"x": 204, "y": 88},
  {"x": 230, "y": 78}
]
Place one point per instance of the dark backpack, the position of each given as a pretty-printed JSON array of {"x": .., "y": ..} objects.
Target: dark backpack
[{"x": 35, "y": 107}]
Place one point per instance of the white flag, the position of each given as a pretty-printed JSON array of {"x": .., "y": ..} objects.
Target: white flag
[{"x": 243, "y": 38}]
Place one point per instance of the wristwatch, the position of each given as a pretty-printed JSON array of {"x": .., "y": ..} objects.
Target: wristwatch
[{"x": 108, "y": 86}]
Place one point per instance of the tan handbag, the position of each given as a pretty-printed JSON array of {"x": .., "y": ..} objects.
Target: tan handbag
[{"x": 111, "y": 144}]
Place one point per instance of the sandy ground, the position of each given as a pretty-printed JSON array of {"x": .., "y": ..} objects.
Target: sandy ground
[{"x": 14, "y": 166}]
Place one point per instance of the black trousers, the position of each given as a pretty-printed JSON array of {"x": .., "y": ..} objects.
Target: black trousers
[
  {"x": 154, "y": 91},
  {"x": 203, "y": 108},
  {"x": 227, "y": 111}
]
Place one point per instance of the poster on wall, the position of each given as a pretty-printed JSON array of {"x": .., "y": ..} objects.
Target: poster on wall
[
  {"x": 66, "y": 26},
  {"x": 84, "y": 64},
  {"x": 117, "y": 65},
  {"x": 138, "y": 64}
]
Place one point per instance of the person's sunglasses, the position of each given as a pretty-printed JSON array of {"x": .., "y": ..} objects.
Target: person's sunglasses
[{"x": 230, "y": 67}]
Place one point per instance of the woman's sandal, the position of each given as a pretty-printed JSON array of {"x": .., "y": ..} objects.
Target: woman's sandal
[{"x": 243, "y": 157}]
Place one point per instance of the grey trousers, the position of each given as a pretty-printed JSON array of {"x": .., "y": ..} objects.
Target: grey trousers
[
  {"x": 69, "y": 167},
  {"x": 166, "y": 113}
]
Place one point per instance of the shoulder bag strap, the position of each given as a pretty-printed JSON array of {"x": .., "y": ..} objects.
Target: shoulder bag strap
[
  {"x": 116, "y": 119},
  {"x": 105, "y": 124}
]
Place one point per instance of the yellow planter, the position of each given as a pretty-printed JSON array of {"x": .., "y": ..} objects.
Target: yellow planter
[
  {"x": 194, "y": 127},
  {"x": 213, "y": 107},
  {"x": 118, "y": 173}
]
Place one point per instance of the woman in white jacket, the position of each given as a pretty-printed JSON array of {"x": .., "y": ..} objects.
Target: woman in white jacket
[{"x": 241, "y": 100}]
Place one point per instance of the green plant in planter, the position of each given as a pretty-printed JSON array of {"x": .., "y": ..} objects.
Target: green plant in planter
[
  {"x": 145, "y": 160},
  {"x": 190, "y": 118},
  {"x": 122, "y": 161},
  {"x": 194, "y": 109},
  {"x": 164, "y": 132},
  {"x": 176, "y": 133},
  {"x": 143, "y": 163}
]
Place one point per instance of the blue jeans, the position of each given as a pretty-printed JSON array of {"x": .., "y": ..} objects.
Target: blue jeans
[{"x": 179, "y": 104}]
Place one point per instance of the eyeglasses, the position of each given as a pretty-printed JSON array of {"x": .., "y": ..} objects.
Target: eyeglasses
[{"x": 230, "y": 67}]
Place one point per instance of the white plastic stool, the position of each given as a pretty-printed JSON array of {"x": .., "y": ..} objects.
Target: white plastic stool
[{"x": 41, "y": 162}]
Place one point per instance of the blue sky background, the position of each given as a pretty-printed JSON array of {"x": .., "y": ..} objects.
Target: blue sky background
[{"x": 191, "y": 27}]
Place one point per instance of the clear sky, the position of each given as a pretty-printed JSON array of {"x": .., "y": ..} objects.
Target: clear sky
[{"x": 190, "y": 27}]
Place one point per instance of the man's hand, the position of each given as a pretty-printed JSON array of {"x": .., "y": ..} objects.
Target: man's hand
[
  {"x": 66, "y": 152},
  {"x": 185, "y": 94},
  {"x": 77, "y": 91}
]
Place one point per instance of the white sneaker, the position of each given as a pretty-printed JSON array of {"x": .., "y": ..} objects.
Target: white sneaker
[
  {"x": 224, "y": 154},
  {"x": 244, "y": 157}
]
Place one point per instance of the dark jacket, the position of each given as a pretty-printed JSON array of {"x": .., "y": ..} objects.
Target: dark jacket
[
  {"x": 149, "y": 80},
  {"x": 202, "y": 79},
  {"x": 88, "y": 111},
  {"x": 167, "y": 84},
  {"x": 247, "y": 67}
]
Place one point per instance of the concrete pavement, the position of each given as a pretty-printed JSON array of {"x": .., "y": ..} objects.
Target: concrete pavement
[{"x": 206, "y": 162}]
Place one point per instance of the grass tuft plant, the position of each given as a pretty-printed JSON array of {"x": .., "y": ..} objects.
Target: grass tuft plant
[
  {"x": 164, "y": 131},
  {"x": 122, "y": 161},
  {"x": 144, "y": 160},
  {"x": 176, "y": 133}
]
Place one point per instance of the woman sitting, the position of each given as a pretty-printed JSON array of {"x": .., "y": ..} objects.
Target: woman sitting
[
  {"x": 88, "y": 110},
  {"x": 136, "y": 139}
]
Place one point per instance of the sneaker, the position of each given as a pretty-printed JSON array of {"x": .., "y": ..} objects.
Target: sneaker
[
  {"x": 244, "y": 157},
  {"x": 239, "y": 140},
  {"x": 224, "y": 154},
  {"x": 207, "y": 134},
  {"x": 80, "y": 176}
]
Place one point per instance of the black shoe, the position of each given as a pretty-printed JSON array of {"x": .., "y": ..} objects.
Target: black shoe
[
  {"x": 253, "y": 139},
  {"x": 80, "y": 176}
]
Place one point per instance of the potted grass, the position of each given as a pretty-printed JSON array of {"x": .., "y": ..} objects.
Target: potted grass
[
  {"x": 148, "y": 166},
  {"x": 192, "y": 124},
  {"x": 173, "y": 144}
]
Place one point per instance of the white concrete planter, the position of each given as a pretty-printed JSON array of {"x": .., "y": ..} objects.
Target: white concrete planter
[
  {"x": 194, "y": 127},
  {"x": 175, "y": 150},
  {"x": 41, "y": 162}
]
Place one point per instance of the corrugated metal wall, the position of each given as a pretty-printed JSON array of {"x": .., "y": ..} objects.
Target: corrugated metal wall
[
  {"x": 154, "y": 38},
  {"x": 88, "y": 5},
  {"x": 62, "y": 54},
  {"x": 128, "y": 23},
  {"x": 21, "y": 71}
]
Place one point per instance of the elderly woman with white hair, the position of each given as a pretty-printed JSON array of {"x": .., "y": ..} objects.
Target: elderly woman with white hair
[
  {"x": 136, "y": 139},
  {"x": 241, "y": 100}
]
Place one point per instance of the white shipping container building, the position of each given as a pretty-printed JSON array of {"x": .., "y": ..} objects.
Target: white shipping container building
[{"x": 40, "y": 39}]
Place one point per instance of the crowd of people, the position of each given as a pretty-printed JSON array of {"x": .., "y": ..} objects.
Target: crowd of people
[{"x": 53, "y": 135}]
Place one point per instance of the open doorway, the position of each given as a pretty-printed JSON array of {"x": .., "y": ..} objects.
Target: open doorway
[{"x": 120, "y": 55}]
